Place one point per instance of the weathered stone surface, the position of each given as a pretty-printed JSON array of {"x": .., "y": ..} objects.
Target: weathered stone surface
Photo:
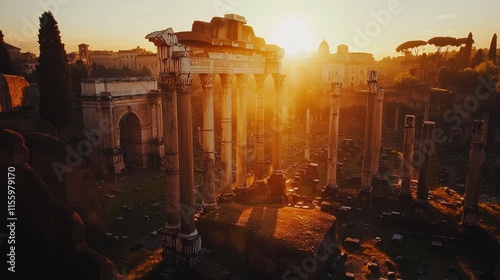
[{"x": 48, "y": 232}]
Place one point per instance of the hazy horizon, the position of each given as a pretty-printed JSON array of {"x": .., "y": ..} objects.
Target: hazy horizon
[{"x": 376, "y": 27}]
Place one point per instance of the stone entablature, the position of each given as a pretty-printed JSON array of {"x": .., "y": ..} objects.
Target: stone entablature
[{"x": 117, "y": 87}]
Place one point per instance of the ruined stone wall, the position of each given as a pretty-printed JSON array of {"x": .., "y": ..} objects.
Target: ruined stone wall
[{"x": 12, "y": 91}]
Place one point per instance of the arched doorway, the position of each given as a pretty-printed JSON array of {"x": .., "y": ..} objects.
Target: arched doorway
[{"x": 131, "y": 140}]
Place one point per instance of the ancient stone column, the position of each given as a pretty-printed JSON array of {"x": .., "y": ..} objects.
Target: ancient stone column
[
  {"x": 226, "y": 175},
  {"x": 167, "y": 85},
  {"x": 307, "y": 149},
  {"x": 209, "y": 199},
  {"x": 333, "y": 135},
  {"x": 189, "y": 246},
  {"x": 367, "y": 166},
  {"x": 259, "y": 128},
  {"x": 409, "y": 141},
  {"x": 241, "y": 135},
  {"x": 185, "y": 246},
  {"x": 277, "y": 179},
  {"x": 427, "y": 149},
  {"x": 377, "y": 140},
  {"x": 474, "y": 175}
]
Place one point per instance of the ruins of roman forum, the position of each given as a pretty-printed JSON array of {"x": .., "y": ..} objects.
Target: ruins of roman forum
[{"x": 227, "y": 47}]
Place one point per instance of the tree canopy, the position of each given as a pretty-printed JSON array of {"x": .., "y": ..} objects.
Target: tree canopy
[
  {"x": 413, "y": 45},
  {"x": 53, "y": 73},
  {"x": 440, "y": 42}
]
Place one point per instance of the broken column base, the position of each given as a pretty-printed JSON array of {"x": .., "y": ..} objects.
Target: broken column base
[
  {"x": 420, "y": 209},
  {"x": 206, "y": 208},
  {"x": 277, "y": 186},
  {"x": 181, "y": 250},
  {"x": 470, "y": 217},
  {"x": 365, "y": 197},
  {"x": 226, "y": 197}
]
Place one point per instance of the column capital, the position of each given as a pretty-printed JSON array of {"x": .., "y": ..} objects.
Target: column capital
[
  {"x": 184, "y": 83},
  {"x": 168, "y": 81},
  {"x": 241, "y": 80},
  {"x": 207, "y": 80},
  {"x": 279, "y": 79},
  {"x": 260, "y": 79},
  {"x": 226, "y": 80}
]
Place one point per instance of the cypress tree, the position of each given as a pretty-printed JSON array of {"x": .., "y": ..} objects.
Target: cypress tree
[
  {"x": 492, "y": 55},
  {"x": 53, "y": 73},
  {"x": 5, "y": 62}
]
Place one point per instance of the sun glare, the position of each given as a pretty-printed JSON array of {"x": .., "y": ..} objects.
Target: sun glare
[{"x": 294, "y": 35}]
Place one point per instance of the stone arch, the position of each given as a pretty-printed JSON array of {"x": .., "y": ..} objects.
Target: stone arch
[{"x": 130, "y": 139}]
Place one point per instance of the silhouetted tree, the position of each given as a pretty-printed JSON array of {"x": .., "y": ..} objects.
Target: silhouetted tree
[
  {"x": 5, "y": 62},
  {"x": 53, "y": 74},
  {"x": 492, "y": 55},
  {"x": 477, "y": 58},
  {"x": 440, "y": 42},
  {"x": 79, "y": 71},
  {"x": 414, "y": 46},
  {"x": 466, "y": 49}
]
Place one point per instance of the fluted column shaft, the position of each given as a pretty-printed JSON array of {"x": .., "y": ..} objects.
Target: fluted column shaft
[
  {"x": 209, "y": 199},
  {"x": 170, "y": 136},
  {"x": 226, "y": 176},
  {"x": 409, "y": 141},
  {"x": 377, "y": 140},
  {"x": 367, "y": 166},
  {"x": 185, "y": 125},
  {"x": 241, "y": 136},
  {"x": 426, "y": 151},
  {"x": 259, "y": 128},
  {"x": 333, "y": 135},
  {"x": 279, "y": 80}
]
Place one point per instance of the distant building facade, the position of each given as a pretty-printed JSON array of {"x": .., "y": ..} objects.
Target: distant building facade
[
  {"x": 134, "y": 59},
  {"x": 350, "y": 67}
]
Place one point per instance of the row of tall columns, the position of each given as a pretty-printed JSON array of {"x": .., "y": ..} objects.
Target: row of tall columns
[
  {"x": 367, "y": 165},
  {"x": 209, "y": 201},
  {"x": 474, "y": 174},
  {"x": 333, "y": 135},
  {"x": 408, "y": 144},
  {"x": 226, "y": 176},
  {"x": 427, "y": 149}
]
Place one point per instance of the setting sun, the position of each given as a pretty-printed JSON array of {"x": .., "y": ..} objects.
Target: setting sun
[{"x": 294, "y": 35}]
